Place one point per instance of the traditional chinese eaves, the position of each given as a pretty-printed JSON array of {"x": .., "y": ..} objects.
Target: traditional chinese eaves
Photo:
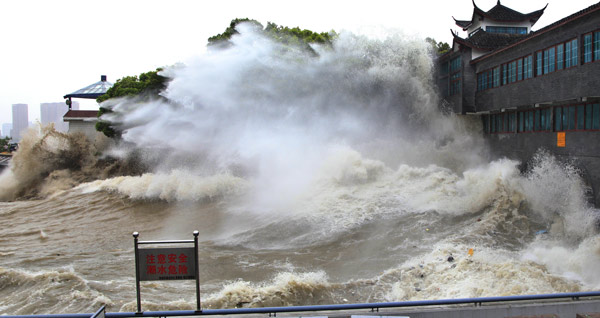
[
  {"x": 500, "y": 13},
  {"x": 577, "y": 15},
  {"x": 489, "y": 41},
  {"x": 462, "y": 23}
]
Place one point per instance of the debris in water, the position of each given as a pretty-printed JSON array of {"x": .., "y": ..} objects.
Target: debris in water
[
  {"x": 541, "y": 232},
  {"x": 470, "y": 252},
  {"x": 450, "y": 259}
]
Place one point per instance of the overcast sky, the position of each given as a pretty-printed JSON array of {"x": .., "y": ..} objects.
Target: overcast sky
[{"x": 51, "y": 48}]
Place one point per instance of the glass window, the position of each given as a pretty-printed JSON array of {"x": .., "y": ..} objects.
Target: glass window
[
  {"x": 539, "y": 64},
  {"x": 551, "y": 59},
  {"x": 537, "y": 120},
  {"x": 587, "y": 48},
  {"x": 455, "y": 83},
  {"x": 530, "y": 120},
  {"x": 484, "y": 122},
  {"x": 499, "y": 123},
  {"x": 596, "y": 119},
  {"x": 565, "y": 118},
  {"x": 530, "y": 66},
  {"x": 513, "y": 67},
  {"x": 521, "y": 122},
  {"x": 509, "y": 30},
  {"x": 574, "y": 52},
  {"x": 513, "y": 122},
  {"x": 580, "y": 117},
  {"x": 546, "y": 62},
  {"x": 596, "y": 45},
  {"x": 572, "y": 118},
  {"x": 444, "y": 69},
  {"x": 568, "y": 55},
  {"x": 455, "y": 65},
  {"x": 527, "y": 67},
  {"x": 559, "y": 56},
  {"x": 497, "y": 76},
  {"x": 588, "y": 116},
  {"x": 548, "y": 125},
  {"x": 520, "y": 69},
  {"x": 493, "y": 123},
  {"x": 557, "y": 121},
  {"x": 504, "y": 74}
]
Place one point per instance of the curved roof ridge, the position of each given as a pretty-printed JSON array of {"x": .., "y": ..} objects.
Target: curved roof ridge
[
  {"x": 503, "y": 13},
  {"x": 488, "y": 41}
]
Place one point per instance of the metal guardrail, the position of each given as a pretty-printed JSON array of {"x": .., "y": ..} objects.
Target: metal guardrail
[{"x": 274, "y": 310}]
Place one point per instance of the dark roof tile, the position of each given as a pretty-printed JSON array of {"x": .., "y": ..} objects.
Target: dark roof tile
[
  {"x": 489, "y": 41},
  {"x": 501, "y": 13},
  {"x": 81, "y": 114}
]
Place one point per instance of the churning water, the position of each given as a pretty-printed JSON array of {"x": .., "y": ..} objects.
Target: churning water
[{"x": 312, "y": 180}]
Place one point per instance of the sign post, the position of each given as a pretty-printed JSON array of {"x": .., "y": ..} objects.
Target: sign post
[{"x": 167, "y": 263}]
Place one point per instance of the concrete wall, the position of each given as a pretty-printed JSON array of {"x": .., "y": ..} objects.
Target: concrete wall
[
  {"x": 464, "y": 101},
  {"x": 88, "y": 128},
  {"x": 582, "y": 148}
]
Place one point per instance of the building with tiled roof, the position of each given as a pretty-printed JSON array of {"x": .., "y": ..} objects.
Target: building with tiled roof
[
  {"x": 499, "y": 16},
  {"x": 530, "y": 89},
  {"x": 497, "y": 27}
]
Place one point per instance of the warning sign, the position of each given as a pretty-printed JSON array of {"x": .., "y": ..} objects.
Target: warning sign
[
  {"x": 177, "y": 263},
  {"x": 167, "y": 263},
  {"x": 561, "y": 140}
]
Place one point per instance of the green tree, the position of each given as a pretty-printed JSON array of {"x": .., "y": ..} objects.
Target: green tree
[
  {"x": 438, "y": 47},
  {"x": 5, "y": 144},
  {"x": 222, "y": 40},
  {"x": 146, "y": 86},
  {"x": 289, "y": 36}
]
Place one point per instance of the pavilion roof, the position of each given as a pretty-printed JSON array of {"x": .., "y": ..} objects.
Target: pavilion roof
[{"x": 92, "y": 91}]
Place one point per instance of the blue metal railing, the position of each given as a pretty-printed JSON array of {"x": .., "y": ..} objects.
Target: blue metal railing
[{"x": 275, "y": 310}]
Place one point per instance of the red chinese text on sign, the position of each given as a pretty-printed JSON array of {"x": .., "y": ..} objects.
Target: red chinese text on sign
[{"x": 167, "y": 264}]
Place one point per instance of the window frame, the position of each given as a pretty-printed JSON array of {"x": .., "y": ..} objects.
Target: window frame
[{"x": 588, "y": 48}]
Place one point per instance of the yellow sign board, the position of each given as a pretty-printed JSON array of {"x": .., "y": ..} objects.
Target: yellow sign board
[{"x": 561, "y": 140}]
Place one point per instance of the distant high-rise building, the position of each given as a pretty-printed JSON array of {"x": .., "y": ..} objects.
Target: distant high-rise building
[
  {"x": 6, "y": 128},
  {"x": 20, "y": 122},
  {"x": 54, "y": 112}
]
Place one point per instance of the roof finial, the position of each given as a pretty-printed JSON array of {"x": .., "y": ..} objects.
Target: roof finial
[{"x": 498, "y": 2}]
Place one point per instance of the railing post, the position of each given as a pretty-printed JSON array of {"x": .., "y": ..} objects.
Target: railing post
[
  {"x": 137, "y": 272},
  {"x": 198, "y": 304}
]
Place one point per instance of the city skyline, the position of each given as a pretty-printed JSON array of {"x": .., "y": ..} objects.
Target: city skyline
[{"x": 49, "y": 113}]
